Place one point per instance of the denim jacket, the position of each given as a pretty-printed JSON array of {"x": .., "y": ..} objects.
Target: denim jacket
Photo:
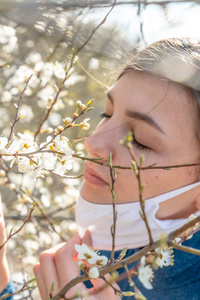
[
  {"x": 8, "y": 290},
  {"x": 178, "y": 282}
]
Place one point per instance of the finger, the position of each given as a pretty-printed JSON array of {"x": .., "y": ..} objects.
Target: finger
[
  {"x": 87, "y": 238},
  {"x": 48, "y": 270},
  {"x": 103, "y": 290},
  {"x": 1, "y": 212},
  {"x": 2, "y": 229},
  {"x": 40, "y": 281},
  {"x": 66, "y": 266}
]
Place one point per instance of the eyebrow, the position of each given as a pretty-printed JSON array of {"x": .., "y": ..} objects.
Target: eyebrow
[{"x": 139, "y": 116}]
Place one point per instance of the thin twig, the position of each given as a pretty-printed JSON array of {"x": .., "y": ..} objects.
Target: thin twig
[
  {"x": 113, "y": 227},
  {"x": 25, "y": 287},
  {"x": 47, "y": 218},
  {"x": 98, "y": 160},
  {"x": 131, "y": 283},
  {"x": 184, "y": 248},
  {"x": 93, "y": 4},
  {"x": 64, "y": 176},
  {"x": 67, "y": 75},
  {"x": 108, "y": 283},
  {"x": 105, "y": 270},
  {"x": 92, "y": 77},
  {"x": 20, "y": 228},
  {"x": 52, "y": 105},
  {"x": 150, "y": 167},
  {"x": 97, "y": 27},
  {"x": 142, "y": 201},
  {"x": 183, "y": 228},
  {"x": 128, "y": 260},
  {"x": 17, "y": 118}
]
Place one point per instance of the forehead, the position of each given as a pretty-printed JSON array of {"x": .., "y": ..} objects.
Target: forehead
[{"x": 170, "y": 104}]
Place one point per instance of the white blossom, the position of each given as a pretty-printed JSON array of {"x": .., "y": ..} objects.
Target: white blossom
[
  {"x": 177, "y": 240},
  {"x": 165, "y": 257},
  {"x": 38, "y": 66},
  {"x": 22, "y": 74},
  {"x": 93, "y": 63},
  {"x": 23, "y": 143},
  {"x": 145, "y": 274},
  {"x": 33, "y": 58},
  {"x": 193, "y": 217},
  {"x": 102, "y": 260},
  {"x": 45, "y": 199},
  {"x": 27, "y": 140},
  {"x": 15, "y": 146},
  {"x": 85, "y": 125},
  {"x": 59, "y": 70},
  {"x": 48, "y": 161},
  {"x": 46, "y": 73},
  {"x": 6, "y": 96},
  {"x": 62, "y": 145},
  {"x": 45, "y": 94},
  {"x": 3, "y": 143},
  {"x": 73, "y": 79},
  {"x": 26, "y": 111},
  {"x": 55, "y": 119},
  {"x": 84, "y": 252},
  {"x": 67, "y": 120},
  {"x": 63, "y": 166},
  {"x": 59, "y": 105},
  {"x": 8, "y": 38},
  {"x": 48, "y": 143},
  {"x": 93, "y": 273},
  {"x": 25, "y": 164}
]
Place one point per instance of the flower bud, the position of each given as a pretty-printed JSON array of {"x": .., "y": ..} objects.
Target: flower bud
[
  {"x": 67, "y": 121},
  {"x": 84, "y": 125},
  {"x": 59, "y": 129},
  {"x": 93, "y": 273},
  {"x": 2, "y": 173},
  {"x": 80, "y": 105},
  {"x": 80, "y": 264}
]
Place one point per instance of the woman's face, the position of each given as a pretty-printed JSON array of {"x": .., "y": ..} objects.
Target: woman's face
[{"x": 162, "y": 118}]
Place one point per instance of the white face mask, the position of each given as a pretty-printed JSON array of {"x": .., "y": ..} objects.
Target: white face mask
[{"x": 131, "y": 231}]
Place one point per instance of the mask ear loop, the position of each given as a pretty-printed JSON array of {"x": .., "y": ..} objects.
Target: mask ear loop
[{"x": 163, "y": 197}]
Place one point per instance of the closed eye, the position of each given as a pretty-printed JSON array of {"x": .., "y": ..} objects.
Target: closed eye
[
  {"x": 135, "y": 143},
  {"x": 139, "y": 146},
  {"x": 104, "y": 115}
]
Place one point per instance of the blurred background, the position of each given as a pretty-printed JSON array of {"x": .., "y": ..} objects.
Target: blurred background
[{"x": 40, "y": 38}]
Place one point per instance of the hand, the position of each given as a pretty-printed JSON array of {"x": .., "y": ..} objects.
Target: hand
[
  {"x": 58, "y": 265},
  {"x": 4, "y": 274}
]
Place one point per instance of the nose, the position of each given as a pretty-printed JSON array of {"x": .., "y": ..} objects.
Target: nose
[{"x": 104, "y": 141}]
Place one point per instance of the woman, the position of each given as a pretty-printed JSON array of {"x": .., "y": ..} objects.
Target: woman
[{"x": 156, "y": 97}]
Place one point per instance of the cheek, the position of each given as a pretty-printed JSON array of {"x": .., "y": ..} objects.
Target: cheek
[{"x": 127, "y": 183}]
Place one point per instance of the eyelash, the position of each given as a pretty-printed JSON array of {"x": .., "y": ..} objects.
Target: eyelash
[
  {"x": 104, "y": 115},
  {"x": 134, "y": 142},
  {"x": 140, "y": 146}
]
